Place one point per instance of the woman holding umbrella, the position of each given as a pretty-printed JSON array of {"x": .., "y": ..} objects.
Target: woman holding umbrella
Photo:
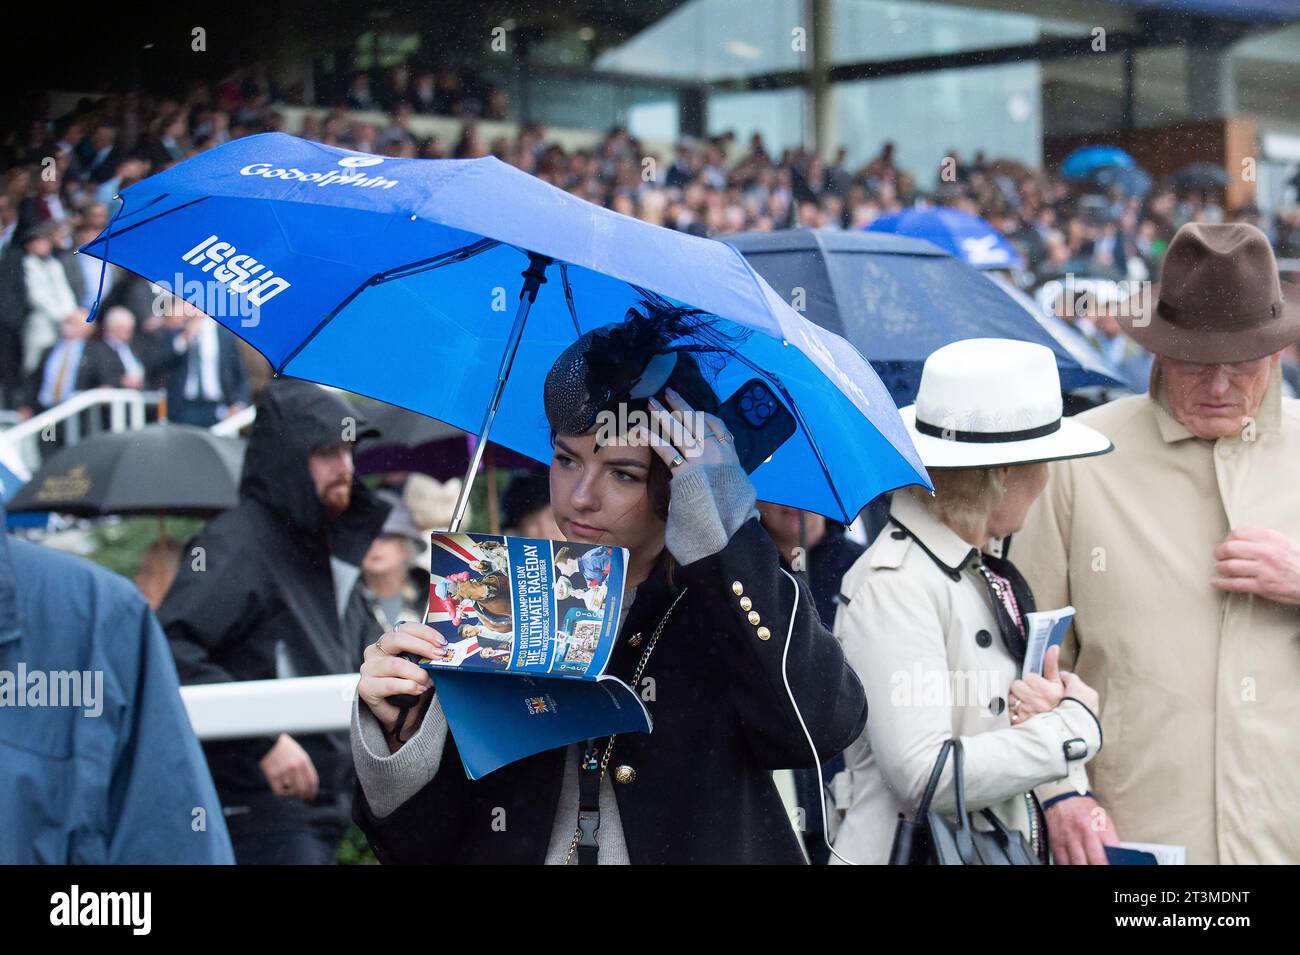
[{"x": 728, "y": 640}]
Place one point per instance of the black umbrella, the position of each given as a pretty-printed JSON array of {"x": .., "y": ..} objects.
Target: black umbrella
[
  {"x": 409, "y": 441},
  {"x": 1200, "y": 175},
  {"x": 159, "y": 469},
  {"x": 896, "y": 299}
]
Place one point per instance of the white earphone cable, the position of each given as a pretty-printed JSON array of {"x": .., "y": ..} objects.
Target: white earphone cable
[{"x": 785, "y": 677}]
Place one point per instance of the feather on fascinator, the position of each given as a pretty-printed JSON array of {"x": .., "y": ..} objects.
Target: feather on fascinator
[{"x": 628, "y": 361}]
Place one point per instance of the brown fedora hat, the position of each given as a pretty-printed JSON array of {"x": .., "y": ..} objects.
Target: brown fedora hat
[{"x": 1221, "y": 299}]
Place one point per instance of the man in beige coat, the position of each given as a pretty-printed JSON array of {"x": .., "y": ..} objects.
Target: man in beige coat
[{"x": 1181, "y": 553}]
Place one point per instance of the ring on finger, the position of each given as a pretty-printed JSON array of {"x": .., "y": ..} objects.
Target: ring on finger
[
  {"x": 677, "y": 461},
  {"x": 379, "y": 644}
]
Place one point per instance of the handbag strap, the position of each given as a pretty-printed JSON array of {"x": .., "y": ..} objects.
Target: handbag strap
[
  {"x": 923, "y": 808},
  {"x": 965, "y": 838}
]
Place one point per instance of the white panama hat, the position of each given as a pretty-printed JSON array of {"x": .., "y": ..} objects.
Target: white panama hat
[{"x": 989, "y": 402}]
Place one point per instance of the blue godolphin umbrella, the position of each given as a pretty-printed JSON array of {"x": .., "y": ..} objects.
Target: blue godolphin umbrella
[
  {"x": 970, "y": 238},
  {"x": 397, "y": 279}
]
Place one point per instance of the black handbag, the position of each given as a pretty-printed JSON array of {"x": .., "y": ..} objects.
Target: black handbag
[{"x": 930, "y": 838}]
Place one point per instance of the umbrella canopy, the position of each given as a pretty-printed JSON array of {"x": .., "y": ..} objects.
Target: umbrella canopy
[
  {"x": 1130, "y": 180},
  {"x": 897, "y": 299},
  {"x": 394, "y": 278},
  {"x": 412, "y": 442},
  {"x": 159, "y": 469},
  {"x": 1083, "y": 161},
  {"x": 970, "y": 238},
  {"x": 1069, "y": 337},
  {"x": 1200, "y": 175}
]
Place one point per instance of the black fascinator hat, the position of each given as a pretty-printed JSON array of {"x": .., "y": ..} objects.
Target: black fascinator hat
[{"x": 656, "y": 345}]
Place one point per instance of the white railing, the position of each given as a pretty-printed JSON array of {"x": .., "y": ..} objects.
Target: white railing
[
  {"x": 126, "y": 411},
  {"x": 308, "y": 704},
  {"x": 231, "y": 425}
]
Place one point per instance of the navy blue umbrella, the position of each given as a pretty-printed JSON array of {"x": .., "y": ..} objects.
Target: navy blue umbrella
[{"x": 897, "y": 299}]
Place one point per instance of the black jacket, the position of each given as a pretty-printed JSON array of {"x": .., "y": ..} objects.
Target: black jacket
[
  {"x": 171, "y": 367},
  {"x": 262, "y": 588},
  {"x": 98, "y": 367},
  {"x": 703, "y": 789}
]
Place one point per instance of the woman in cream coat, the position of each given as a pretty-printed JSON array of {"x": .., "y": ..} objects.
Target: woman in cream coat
[{"x": 934, "y": 626}]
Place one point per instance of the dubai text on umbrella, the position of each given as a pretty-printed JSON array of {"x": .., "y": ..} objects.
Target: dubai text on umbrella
[{"x": 393, "y": 278}]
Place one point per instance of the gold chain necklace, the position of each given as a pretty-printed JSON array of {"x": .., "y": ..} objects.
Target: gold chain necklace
[{"x": 636, "y": 682}]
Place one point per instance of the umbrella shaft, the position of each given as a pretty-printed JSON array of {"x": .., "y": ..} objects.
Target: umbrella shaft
[{"x": 534, "y": 276}]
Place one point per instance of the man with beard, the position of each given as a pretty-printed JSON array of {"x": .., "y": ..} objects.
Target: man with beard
[{"x": 268, "y": 590}]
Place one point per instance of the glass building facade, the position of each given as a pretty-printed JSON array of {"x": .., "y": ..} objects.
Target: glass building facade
[{"x": 928, "y": 115}]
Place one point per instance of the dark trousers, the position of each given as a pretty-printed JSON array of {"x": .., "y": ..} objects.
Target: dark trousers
[
  {"x": 195, "y": 411},
  {"x": 313, "y": 845},
  {"x": 266, "y": 829}
]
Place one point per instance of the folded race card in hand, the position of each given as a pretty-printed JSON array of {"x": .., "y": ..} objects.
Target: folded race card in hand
[
  {"x": 530, "y": 625},
  {"x": 1044, "y": 629}
]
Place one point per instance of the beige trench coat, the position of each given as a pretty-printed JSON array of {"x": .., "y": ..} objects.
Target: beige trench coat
[
  {"x": 927, "y": 649},
  {"x": 1200, "y": 689}
]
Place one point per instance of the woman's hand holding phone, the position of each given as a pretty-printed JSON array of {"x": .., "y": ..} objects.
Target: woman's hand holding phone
[{"x": 685, "y": 438}]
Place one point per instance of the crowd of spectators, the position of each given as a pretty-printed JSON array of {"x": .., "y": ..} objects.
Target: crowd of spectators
[{"x": 60, "y": 174}]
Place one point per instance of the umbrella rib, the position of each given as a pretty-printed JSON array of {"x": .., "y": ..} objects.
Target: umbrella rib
[
  {"x": 794, "y": 408},
  {"x": 425, "y": 265},
  {"x": 812, "y": 440},
  {"x": 437, "y": 261},
  {"x": 568, "y": 298},
  {"x": 154, "y": 218}
]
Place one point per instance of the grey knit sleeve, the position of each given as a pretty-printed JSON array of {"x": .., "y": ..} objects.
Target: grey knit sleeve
[
  {"x": 389, "y": 779},
  {"x": 708, "y": 504}
]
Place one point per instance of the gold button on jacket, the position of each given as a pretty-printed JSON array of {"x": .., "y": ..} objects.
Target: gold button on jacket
[{"x": 624, "y": 774}]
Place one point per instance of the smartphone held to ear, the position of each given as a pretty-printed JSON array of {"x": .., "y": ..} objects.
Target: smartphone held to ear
[{"x": 758, "y": 422}]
